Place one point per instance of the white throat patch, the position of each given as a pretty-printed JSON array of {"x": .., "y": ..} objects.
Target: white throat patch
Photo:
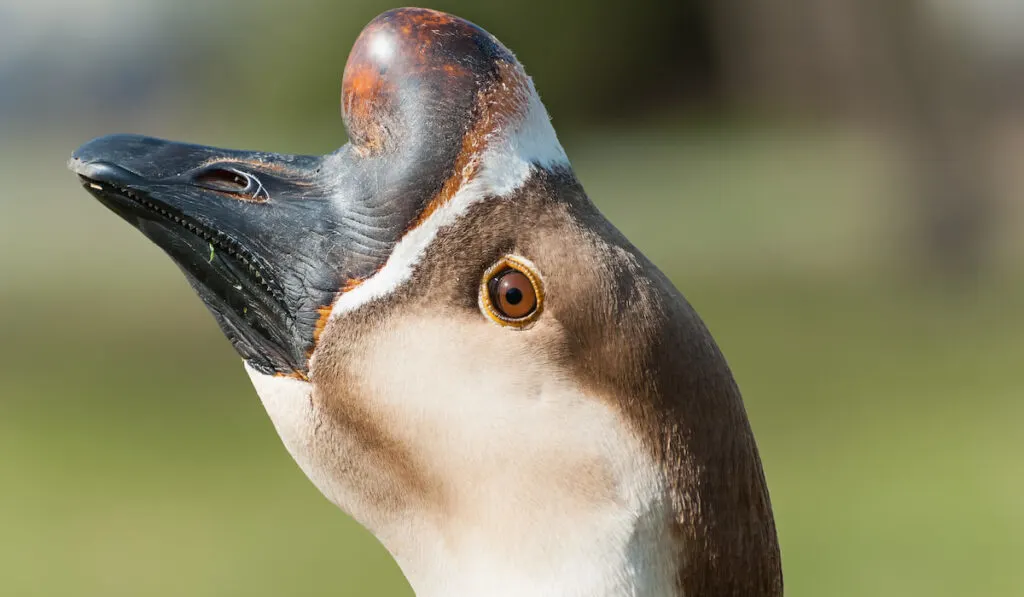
[{"x": 546, "y": 490}]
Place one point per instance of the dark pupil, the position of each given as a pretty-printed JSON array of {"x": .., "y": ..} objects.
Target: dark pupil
[{"x": 513, "y": 296}]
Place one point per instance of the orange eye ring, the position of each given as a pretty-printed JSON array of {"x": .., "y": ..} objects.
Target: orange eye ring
[{"x": 511, "y": 292}]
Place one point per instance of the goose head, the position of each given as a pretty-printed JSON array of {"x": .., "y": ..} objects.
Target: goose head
[{"x": 454, "y": 344}]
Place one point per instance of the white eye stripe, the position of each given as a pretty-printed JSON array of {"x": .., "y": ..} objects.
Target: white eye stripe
[{"x": 505, "y": 165}]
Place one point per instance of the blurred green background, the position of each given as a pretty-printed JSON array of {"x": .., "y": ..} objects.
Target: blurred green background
[{"x": 835, "y": 186}]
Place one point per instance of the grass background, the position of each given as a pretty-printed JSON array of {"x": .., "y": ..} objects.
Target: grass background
[{"x": 137, "y": 460}]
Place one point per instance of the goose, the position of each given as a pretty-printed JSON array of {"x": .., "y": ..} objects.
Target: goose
[{"x": 454, "y": 344}]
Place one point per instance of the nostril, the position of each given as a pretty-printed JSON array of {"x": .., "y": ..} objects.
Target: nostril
[
  {"x": 229, "y": 180},
  {"x": 222, "y": 180}
]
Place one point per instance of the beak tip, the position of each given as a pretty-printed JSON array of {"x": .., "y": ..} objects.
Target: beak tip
[
  {"x": 100, "y": 155},
  {"x": 101, "y": 171}
]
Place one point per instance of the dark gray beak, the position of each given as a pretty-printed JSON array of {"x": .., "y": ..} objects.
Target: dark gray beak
[{"x": 256, "y": 234}]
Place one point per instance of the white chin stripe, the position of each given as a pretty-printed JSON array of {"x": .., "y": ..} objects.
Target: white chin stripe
[{"x": 511, "y": 155}]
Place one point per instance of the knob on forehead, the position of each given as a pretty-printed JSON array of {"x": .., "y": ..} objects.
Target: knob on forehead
[{"x": 417, "y": 70}]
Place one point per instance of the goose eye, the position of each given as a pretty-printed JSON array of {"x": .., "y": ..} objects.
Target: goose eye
[{"x": 511, "y": 293}]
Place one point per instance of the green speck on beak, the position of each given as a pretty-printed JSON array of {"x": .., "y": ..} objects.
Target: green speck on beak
[{"x": 211, "y": 253}]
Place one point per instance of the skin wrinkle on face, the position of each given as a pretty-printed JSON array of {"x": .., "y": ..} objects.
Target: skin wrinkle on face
[{"x": 511, "y": 153}]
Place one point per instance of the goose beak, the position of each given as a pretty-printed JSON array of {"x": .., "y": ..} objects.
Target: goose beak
[{"x": 248, "y": 229}]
